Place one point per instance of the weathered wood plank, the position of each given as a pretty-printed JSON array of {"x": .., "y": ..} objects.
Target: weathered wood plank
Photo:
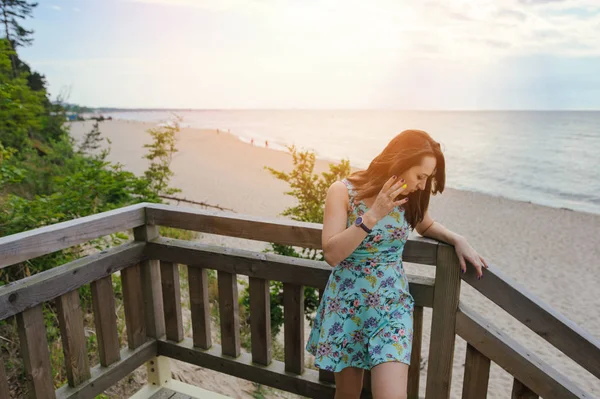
[
  {"x": 4, "y": 391},
  {"x": 555, "y": 328},
  {"x": 229, "y": 313},
  {"x": 513, "y": 357},
  {"x": 293, "y": 327},
  {"x": 31, "y": 244},
  {"x": 520, "y": 391},
  {"x": 286, "y": 232},
  {"x": 133, "y": 303},
  {"x": 262, "y": 265},
  {"x": 414, "y": 370},
  {"x": 171, "y": 289},
  {"x": 260, "y": 321},
  {"x": 70, "y": 320},
  {"x": 199, "y": 306},
  {"x": 50, "y": 284},
  {"x": 151, "y": 286},
  {"x": 443, "y": 324},
  {"x": 34, "y": 350},
  {"x": 477, "y": 375},
  {"x": 105, "y": 320},
  {"x": 105, "y": 377},
  {"x": 273, "y": 375},
  {"x": 164, "y": 393}
]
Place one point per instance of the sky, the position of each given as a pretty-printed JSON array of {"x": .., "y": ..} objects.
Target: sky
[{"x": 325, "y": 54}]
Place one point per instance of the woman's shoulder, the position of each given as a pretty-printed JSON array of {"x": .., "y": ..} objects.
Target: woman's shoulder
[
  {"x": 340, "y": 186},
  {"x": 340, "y": 191}
]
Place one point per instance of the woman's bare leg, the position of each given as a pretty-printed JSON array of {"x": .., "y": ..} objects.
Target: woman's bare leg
[
  {"x": 348, "y": 383},
  {"x": 389, "y": 380}
]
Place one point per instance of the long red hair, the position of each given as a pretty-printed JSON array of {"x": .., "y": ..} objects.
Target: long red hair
[{"x": 405, "y": 150}]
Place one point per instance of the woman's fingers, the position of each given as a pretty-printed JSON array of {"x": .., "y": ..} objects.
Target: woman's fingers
[
  {"x": 478, "y": 267},
  {"x": 401, "y": 202},
  {"x": 463, "y": 265},
  {"x": 389, "y": 184},
  {"x": 484, "y": 262},
  {"x": 398, "y": 190}
]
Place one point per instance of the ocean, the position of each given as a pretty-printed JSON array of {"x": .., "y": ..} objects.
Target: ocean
[{"x": 545, "y": 157}]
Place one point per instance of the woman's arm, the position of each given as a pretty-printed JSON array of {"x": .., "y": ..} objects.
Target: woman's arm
[
  {"x": 339, "y": 241},
  {"x": 432, "y": 229}
]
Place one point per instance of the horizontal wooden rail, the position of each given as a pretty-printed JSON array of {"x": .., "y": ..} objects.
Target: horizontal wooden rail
[
  {"x": 513, "y": 357},
  {"x": 273, "y": 375},
  {"x": 555, "y": 328},
  {"x": 50, "y": 284},
  {"x": 286, "y": 232},
  {"x": 45, "y": 240},
  {"x": 105, "y": 377},
  {"x": 263, "y": 265}
]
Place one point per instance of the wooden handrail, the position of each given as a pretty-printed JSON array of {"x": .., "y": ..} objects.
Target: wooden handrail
[
  {"x": 44, "y": 240},
  {"x": 49, "y": 284},
  {"x": 513, "y": 357},
  {"x": 555, "y": 328},
  {"x": 262, "y": 265}
]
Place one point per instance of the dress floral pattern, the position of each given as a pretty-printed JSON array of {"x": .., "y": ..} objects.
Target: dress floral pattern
[{"x": 366, "y": 314}]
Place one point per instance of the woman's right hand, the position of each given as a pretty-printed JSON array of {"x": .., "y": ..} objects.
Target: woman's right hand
[{"x": 385, "y": 201}]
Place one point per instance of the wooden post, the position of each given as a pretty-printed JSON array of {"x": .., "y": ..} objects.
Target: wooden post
[
  {"x": 70, "y": 321},
  {"x": 151, "y": 286},
  {"x": 36, "y": 357},
  {"x": 105, "y": 319},
  {"x": 158, "y": 368},
  {"x": 171, "y": 292},
  {"x": 199, "y": 306},
  {"x": 293, "y": 325},
  {"x": 443, "y": 324},
  {"x": 133, "y": 303},
  {"x": 229, "y": 313},
  {"x": 477, "y": 374},
  {"x": 260, "y": 321},
  {"x": 521, "y": 391},
  {"x": 414, "y": 371}
]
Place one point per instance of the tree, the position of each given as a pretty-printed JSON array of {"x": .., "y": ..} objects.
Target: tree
[
  {"x": 160, "y": 155},
  {"x": 21, "y": 108},
  {"x": 11, "y": 12}
]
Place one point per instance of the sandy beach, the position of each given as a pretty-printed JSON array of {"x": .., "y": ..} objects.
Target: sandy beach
[{"x": 553, "y": 253}]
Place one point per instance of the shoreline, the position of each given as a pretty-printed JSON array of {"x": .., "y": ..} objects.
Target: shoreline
[{"x": 280, "y": 148}]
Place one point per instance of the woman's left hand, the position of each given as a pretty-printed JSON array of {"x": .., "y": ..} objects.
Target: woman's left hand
[{"x": 465, "y": 252}]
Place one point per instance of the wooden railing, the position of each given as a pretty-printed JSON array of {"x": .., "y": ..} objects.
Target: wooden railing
[{"x": 153, "y": 316}]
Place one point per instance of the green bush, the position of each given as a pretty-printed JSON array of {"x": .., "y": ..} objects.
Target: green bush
[{"x": 310, "y": 190}]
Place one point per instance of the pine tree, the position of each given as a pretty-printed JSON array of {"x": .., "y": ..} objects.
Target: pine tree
[{"x": 11, "y": 13}]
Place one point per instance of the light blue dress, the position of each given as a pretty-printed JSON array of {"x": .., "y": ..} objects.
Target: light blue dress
[{"x": 366, "y": 313}]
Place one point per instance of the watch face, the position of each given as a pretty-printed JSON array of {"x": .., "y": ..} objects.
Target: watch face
[{"x": 359, "y": 220}]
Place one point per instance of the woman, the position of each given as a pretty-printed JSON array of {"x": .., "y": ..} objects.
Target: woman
[{"x": 364, "y": 320}]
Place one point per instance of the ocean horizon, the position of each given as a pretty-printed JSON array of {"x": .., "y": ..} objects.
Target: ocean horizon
[{"x": 549, "y": 158}]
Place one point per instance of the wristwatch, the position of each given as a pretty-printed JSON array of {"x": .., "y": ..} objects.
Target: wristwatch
[{"x": 359, "y": 223}]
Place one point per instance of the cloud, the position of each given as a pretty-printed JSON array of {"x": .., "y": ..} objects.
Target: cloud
[
  {"x": 55, "y": 7},
  {"x": 511, "y": 14},
  {"x": 490, "y": 27},
  {"x": 534, "y": 2},
  {"x": 76, "y": 9}
]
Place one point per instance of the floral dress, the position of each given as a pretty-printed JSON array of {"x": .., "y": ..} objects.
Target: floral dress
[{"x": 366, "y": 313}]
